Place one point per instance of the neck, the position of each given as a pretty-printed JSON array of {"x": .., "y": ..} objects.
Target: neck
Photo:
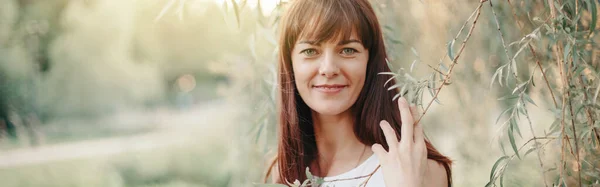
[{"x": 336, "y": 142}]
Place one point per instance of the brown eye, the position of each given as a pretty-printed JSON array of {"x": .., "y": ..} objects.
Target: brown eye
[{"x": 309, "y": 52}]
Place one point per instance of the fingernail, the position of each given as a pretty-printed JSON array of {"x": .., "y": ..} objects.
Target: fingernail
[{"x": 402, "y": 100}]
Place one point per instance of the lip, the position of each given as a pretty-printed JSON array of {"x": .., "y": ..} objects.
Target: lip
[{"x": 329, "y": 88}]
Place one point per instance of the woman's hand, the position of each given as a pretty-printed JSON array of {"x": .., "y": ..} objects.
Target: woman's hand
[{"x": 405, "y": 163}]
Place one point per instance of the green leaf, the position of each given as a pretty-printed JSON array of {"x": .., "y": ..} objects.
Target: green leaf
[
  {"x": 591, "y": 4},
  {"x": 500, "y": 116},
  {"x": 431, "y": 92},
  {"x": 386, "y": 73},
  {"x": 403, "y": 89},
  {"x": 508, "y": 97},
  {"x": 530, "y": 150},
  {"x": 502, "y": 180},
  {"x": 519, "y": 87},
  {"x": 432, "y": 80},
  {"x": 443, "y": 67},
  {"x": 515, "y": 125},
  {"x": 388, "y": 28},
  {"x": 395, "y": 41},
  {"x": 555, "y": 126},
  {"x": 412, "y": 66},
  {"x": 492, "y": 174},
  {"x": 308, "y": 174},
  {"x": 566, "y": 52},
  {"x": 502, "y": 146},
  {"x": 389, "y": 80},
  {"x": 489, "y": 184},
  {"x": 450, "y": 50},
  {"x": 494, "y": 76},
  {"x": 414, "y": 51},
  {"x": 513, "y": 61},
  {"x": 532, "y": 79},
  {"x": 528, "y": 99},
  {"x": 305, "y": 183},
  {"x": 578, "y": 71},
  {"x": 260, "y": 129},
  {"x": 394, "y": 87},
  {"x": 511, "y": 138},
  {"x": 320, "y": 181},
  {"x": 396, "y": 96}
]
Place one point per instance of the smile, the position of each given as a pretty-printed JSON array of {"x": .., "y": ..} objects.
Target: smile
[{"x": 329, "y": 89}]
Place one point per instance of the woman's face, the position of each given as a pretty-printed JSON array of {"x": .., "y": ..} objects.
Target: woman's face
[{"x": 329, "y": 76}]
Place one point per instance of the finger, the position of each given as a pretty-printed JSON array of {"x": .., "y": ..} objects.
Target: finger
[
  {"x": 419, "y": 135},
  {"x": 415, "y": 112},
  {"x": 407, "y": 121},
  {"x": 418, "y": 132},
  {"x": 390, "y": 135},
  {"x": 379, "y": 151}
]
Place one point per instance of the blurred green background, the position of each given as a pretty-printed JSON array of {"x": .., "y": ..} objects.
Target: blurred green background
[{"x": 180, "y": 93}]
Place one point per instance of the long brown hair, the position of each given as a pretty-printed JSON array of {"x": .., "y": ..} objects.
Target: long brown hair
[{"x": 323, "y": 20}]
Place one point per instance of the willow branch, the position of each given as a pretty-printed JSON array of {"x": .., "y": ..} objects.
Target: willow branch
[
  {"x": 464, "y": 43},
  {"x": 590, "y": 119},
  {"x": 570, "y": 101},
  {"x": 535, "y": 56},
  {"x": 503, "y": 41},
  {"x": 503, "y": 168},
  {"x": 537, "y": 151}
]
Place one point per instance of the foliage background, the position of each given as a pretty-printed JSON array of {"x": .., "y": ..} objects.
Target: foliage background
[{"x": 181, "y": 92}]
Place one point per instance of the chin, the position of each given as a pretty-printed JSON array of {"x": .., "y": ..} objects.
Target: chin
[{"x": 328, "y": 108}]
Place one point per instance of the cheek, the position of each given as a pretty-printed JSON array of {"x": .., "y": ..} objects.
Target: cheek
[
  {"x": 302, "y": 75},
  {"x": 358, "y": 74}
]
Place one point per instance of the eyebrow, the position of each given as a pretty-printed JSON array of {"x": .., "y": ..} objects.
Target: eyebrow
[{"x": 344, "y": 42}]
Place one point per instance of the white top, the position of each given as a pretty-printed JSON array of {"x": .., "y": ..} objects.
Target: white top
[{"x": 365, "y": 168}]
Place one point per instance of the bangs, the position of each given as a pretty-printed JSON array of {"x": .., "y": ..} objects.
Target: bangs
[{"x": 328, "y": 20}]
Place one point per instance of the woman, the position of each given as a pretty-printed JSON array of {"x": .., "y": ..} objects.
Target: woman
[{"x": 335, "y": 115}]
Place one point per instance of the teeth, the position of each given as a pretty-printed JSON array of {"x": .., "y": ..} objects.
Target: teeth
[{"x": 333, "y": 87}]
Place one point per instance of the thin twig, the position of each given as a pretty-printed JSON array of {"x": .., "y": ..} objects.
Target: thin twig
[
  {"x": 590, "y": 119},
  {"x": 511, "y": 61},
  {"x": 575, "y": 136},
  {"x": 464, "y": 43},
  {"x": 437, "y": 70},
  {"x": 570, "y": 100},
  {"x": 538, "y": 150},
  {"x": 503, "y": 168},
  {"x": 458, "y": 34},
  {"x": 562, "y": 121},
  {"x": 537, "y": 60}
]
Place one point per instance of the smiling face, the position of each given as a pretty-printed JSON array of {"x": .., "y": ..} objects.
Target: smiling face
[{"x": 329, "y": 75}]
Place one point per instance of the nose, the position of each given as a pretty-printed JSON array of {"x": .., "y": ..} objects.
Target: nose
[{"x": 329, "y": 66}]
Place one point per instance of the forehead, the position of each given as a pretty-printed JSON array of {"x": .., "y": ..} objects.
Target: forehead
[
  {"x": 324, "y": 21},
  {"x": 339, "y": 40}
]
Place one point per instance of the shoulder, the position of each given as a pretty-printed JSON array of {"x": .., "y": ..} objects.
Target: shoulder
[
  {"x": 435, "y": 175},
  {"x": 274, "y": 174},
  {"x": 272, "y": 171}
]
